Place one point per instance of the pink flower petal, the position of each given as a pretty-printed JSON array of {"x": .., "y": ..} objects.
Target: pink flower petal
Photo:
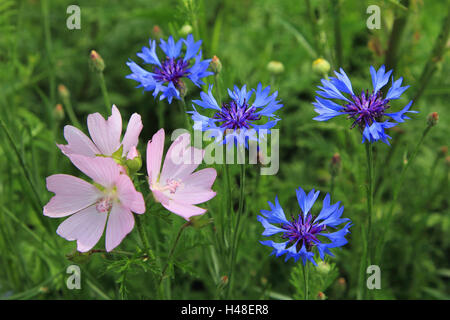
[
  {"x": 71, "y": 195},
  {"x": 155, "y": 148},
  {"x": 120, "y": 223},
  {"x": 85, "y": 226},
  {"x": 160, "y": 197},
  {"x": 106, "y": 133},
  {"x": 78, "y": 143},
  {"x": 102, "y": 170},
  {"x": 128, "y": 195},
  {"x": 183, "y": 210},
  {"x": 131, "y": 137},
  {"x": 193, "y": 197},
  {"x": 181, "y": 159}
]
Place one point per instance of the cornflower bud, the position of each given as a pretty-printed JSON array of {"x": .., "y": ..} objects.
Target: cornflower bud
[
  {"x": 215, "y": 65},
  {"x": 96, "y": 61},
  {"x": 275, "y": 67}
]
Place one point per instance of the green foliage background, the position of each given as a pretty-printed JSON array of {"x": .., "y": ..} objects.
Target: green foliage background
[{"x": 38, "y": 52}]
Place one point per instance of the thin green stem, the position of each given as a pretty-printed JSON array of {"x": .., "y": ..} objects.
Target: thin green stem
[
  {"x": 73, "y": 118},
  {"x": 105, "y": 93},
  {"x": 306, "y": 280},
  {"x": 183, "y": 106},
  {"x": 172, "y": 250},
  {"x": 236, "y": 228},
  {"x": 143, "y": 236},
  {"x": 396, "y": 36},
  {"x": 382, "y": 241},
  {"x": 435, "y": 56},
  {"x": 336, "y": 7}
]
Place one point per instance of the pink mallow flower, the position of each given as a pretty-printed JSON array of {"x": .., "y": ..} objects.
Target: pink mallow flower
[
  {"x": 105, "y": 135},
  {"x": 109, "y": 201},
  {"x": 177, "y": 187}
]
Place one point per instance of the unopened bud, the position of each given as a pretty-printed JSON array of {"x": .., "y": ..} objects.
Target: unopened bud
[
  {"x": 323, "y": 267},
  {"x": 186, "y": 29},
  {"x": 443, "y": 151},
  {"x": 224, "y": 280},
  {"x": 275, "y": 67},
  {"x": 342, "y": 283},
  {"x": 447, "y": 160},
  {"x": 134, "y": 161},
  {"x": 335, "y": 164},
  {"x": 433, "y": 119},
  {"x": 182, "y": 88},
  {"x": 96, "y": 61},
  {"x": 59, "y": 111},
  {"x": 321, "y": 66},
  {"x": 157, "y": 32},
  {"x": 321, "y": 296},
  {"x": 216, "y": 65},
  {"x": 63, "y": 92}
]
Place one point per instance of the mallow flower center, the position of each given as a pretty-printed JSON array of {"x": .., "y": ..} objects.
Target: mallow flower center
[
  {"x": 303, "y": 231},
  {"x": 104, "y": 205},
  {"x": 171, "y": 70},
  {"x": 365, "y": 109},
  {"x": 234, "y": 116}
]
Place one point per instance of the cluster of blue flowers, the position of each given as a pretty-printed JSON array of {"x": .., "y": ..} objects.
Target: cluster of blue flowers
[{"x": 246, "y": 112}]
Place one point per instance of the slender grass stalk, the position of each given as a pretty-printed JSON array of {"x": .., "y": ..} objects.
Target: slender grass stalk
[
  {"x": 313, "y": 21},
  {"x": 435, "y": 56},
  {"x": 336, "y": 9},
  {"x": 388, "y": 219},
  {"x": 237, "y": 229}
]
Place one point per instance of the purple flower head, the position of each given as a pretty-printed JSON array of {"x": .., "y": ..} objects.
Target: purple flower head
[
  {"x": 307, "y": 233},
  {"x": 367, "y": 110},
  {"x": 238, "y": 118},
  {"x": 167, "y": 77}
]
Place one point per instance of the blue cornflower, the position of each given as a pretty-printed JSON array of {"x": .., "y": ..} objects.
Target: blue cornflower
[
  {"x": 306, "y": 232},
  {"x": 238, "y": 118},
  {"x": 167, "y": 76},
  {"x": 368, "y": 110}
]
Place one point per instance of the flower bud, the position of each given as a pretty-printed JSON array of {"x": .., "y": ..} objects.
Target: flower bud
[
  {"x": 182, "y": 88},
  {"x": 215, "y": 65},
  {"x": 433, "y": 119},
  {"x": 63, "y": 92},
  {"x": 59, "y": 112},
  {"x": 321, "y": 296},
  {"x": 275, "y": 67},
  {"x": 443, "y": 151},
  {"x": 321, "y": 66},
  {"x": 96, "y": 61},
  {"x": 323, "y": 267},
  {"x": 342, "y": 283},
  {"x": 335, "y": 164},
  {"x": 186, "y": 29},
  {"x": 447, "y": 161},
  {"x": 224, "y": 280},
  {"x": 157, "y": 32},
  {"x": 134, "y": 161}
]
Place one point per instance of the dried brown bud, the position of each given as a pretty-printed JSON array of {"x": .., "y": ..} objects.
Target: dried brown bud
[
  {"x": 216, "y": 65},
  {"x": 335, "y": 164}
]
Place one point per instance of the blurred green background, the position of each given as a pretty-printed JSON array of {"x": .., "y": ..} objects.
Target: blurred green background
[{"x": 38, "y": 53}]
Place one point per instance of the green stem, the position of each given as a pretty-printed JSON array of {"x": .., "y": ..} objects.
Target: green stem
[
  {"x": 143, "y": 236},
  {"x": 396, "y": 36},
  {"x": 435, "y": 56},
  {"x": 336, "y": 6},
  {"x": 397, "y": 188},
  {"x": 186, "y": 115},
  {"x": 366, "y": 258},
  {"x": 236, "y": 228},
  {"x": 73, "y": 118},
  {"x": 105, "y": 93},
  {"x": 306, "y": 280},
  {"x": 172, "y": 250}
]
